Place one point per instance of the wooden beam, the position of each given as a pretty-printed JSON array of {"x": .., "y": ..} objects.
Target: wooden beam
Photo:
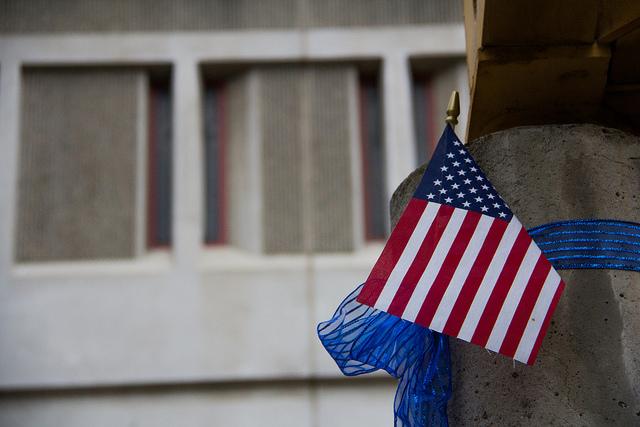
[
  {"x": 541, "y": 22},
  {"x": 471, "y": 37},
  {"x": 527, "y": 86},
  {"x": 618, "y": 18}
]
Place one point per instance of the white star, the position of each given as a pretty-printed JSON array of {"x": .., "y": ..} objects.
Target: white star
[
  {"x": 466, "y": 204},
  {"x": 450, "y": 155},
  {"x": 472, "y": 190},
  {"x": 449, "y": 177},
  {"x": 461, "y": 151},
  {"x": 502, "y": 214},
  {"x": 437, "y": 182},
  {"x": 479, "y": 178},
  {"x": 456, "y": 163},
  {"x": 467, "y": 181},
  {"x": 478, "y": 199},
  {"x": 442, "y": 191},
  {"x": 473, "y": 169},
  {"x": 484, "y": 187},
  {"x": 461, "y": 194},
  {"x": 468, "y": 160},
  {"x": 430, "y": 196},
  {"x": 448, "y": 200},
  {"x": 461, "y": 172},
  {"x": 443, "y": 168},
  {"x": 484, "y": 208},
  {"x": 455, "y": 186},
  {"x": 496, "y": 205},
  {"x": 491, "y": 196},
  {"x": 456, "y": 143}
]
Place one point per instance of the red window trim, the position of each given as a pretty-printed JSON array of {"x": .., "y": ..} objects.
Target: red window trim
[{"x": 429, "y": 120}]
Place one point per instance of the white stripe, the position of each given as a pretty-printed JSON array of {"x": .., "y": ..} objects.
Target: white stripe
[
  {"x": 537, "y": 316},
  {"x": 408, "y": 254},
  {"x": 489, "y": 281},
  {"x": 513, "y": 297},
  {"x": 435, "y": 262},
  {"x": 460, "y": 275}
]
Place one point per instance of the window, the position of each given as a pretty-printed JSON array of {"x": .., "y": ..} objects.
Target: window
[
  {"x": 159, "y": 168},
  {"x": 423, "y": 115},
  {"x": 95, "y": 163},
  {"x": 82, "y": 157},
  {"x": 432, "y": 81},
  {"x": 375, "y": 206},
  {"x": 278, "y": 156},
  {"x": 214, "y": 157}
]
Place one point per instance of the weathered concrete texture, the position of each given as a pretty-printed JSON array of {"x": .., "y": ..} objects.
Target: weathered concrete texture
[{"x": 588, "y": 369}]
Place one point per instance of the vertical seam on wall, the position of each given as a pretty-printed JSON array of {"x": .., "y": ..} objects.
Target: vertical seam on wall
[{"x": 308, "y": 216}]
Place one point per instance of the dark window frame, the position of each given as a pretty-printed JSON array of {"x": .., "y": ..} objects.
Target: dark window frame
[
  {"x": 371, "y": 138},
  {"x": 159, "y": 155},
  {"x": 215, "y": 126}
]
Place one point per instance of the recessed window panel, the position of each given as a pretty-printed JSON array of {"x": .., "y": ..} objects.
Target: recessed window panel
[
  {"x": 159, "y": 165},
  {"x": 214, "y": 155},
  {"x": 375, "y": 205},
  {"x": 423, "y": 115}
]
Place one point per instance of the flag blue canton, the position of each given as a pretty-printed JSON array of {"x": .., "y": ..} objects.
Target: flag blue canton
[{"x": 454, "y": 178}]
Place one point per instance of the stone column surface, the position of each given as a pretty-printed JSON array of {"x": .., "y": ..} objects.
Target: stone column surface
[{"x": 588, "y": 369}]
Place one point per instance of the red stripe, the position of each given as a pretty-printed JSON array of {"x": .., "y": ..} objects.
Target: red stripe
[
  {"x": 545, "y": 324},
  {"x": 525, "y": 307},
  {"x": 473, "y": 280},
  {"x": 413, "y": 274},
  {"x": 391, "y": 252},
  {"x": 500, "y": 290},
  {"x": 449, "y": 266}
]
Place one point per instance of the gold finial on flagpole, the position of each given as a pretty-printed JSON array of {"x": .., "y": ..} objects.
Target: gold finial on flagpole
[{"x": 453, "y": 109}]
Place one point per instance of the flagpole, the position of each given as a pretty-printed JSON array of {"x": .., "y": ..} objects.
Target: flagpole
[{"x": 453, "y": 109}]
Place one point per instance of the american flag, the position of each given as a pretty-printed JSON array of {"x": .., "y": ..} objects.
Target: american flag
[{"x": 459, "y": 262}]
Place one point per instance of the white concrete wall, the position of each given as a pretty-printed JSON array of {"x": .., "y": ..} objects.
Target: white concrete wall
[
  {"x": 194, "y": 314},
  {"x": 328, "y": 404}
]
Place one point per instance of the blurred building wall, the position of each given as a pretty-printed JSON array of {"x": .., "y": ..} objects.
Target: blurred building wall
[
  {"x": 37, "y": 16},
  {"x": 82, "y": 156},
  {"x": 271, "y": 108}
]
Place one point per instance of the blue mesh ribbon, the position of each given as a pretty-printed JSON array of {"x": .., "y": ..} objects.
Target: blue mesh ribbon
[
  {"x": 590, "y": 243},
  {"x": 362, "y": 339}
]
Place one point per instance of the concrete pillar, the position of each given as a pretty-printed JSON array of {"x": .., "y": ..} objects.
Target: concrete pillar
[
  {"x": 188, "y": 221},
  {"x": 588, "y": 369},
  {"x": 398, "y": 130}
]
